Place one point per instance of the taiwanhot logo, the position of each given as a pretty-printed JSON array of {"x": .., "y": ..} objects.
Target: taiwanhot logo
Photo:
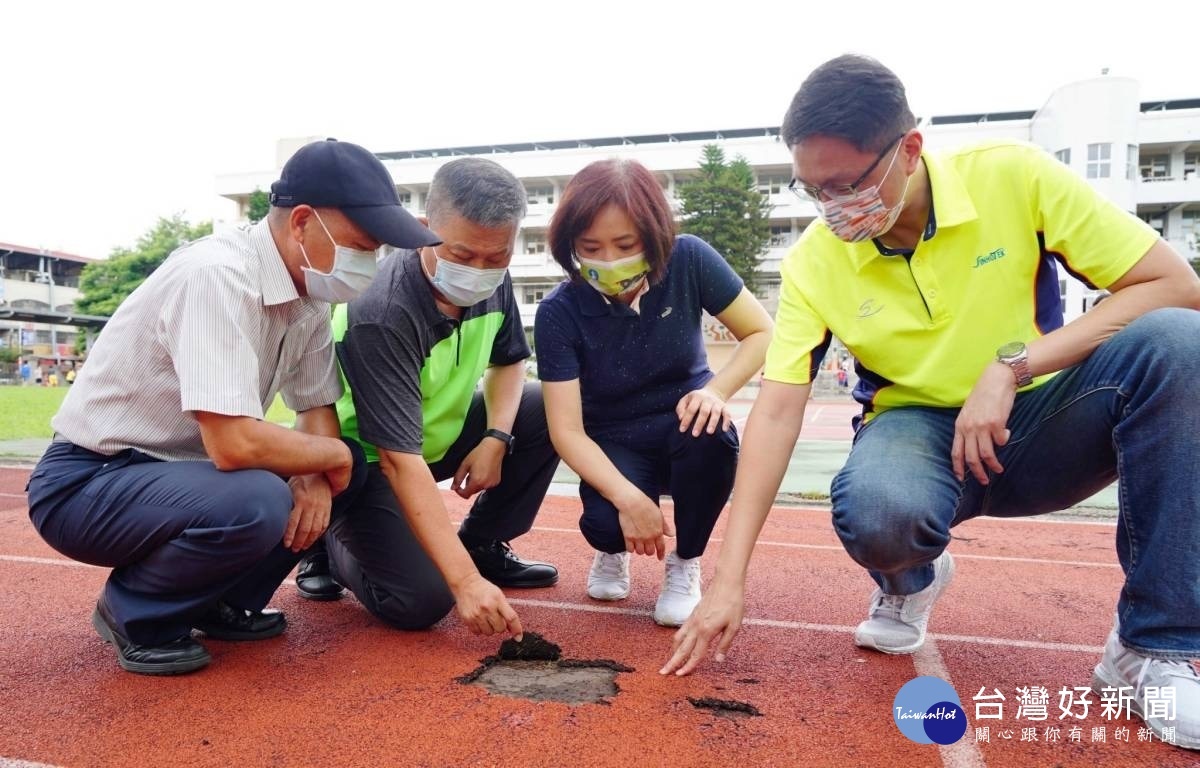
[{"x": 927, "y": 710}]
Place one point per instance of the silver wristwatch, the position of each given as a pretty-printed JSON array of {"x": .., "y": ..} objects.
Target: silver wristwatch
[{"x": 1016, "y": 356}]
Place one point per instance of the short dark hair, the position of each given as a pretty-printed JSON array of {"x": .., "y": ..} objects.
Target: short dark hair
[
  {"x": 630, "y": 186},
  {"x": 852, "y": 97},
  {"x": 481, "y": 191}
]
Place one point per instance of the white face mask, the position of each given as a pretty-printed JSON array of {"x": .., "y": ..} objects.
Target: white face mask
[
  {"x": 351, "y": 273},
  {"x": 463, "y": 286}
]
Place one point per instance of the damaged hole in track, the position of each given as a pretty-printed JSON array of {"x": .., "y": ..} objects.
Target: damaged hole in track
[
  {"x": 726, "y": 708},
  {"x": 533, "y": 669}
]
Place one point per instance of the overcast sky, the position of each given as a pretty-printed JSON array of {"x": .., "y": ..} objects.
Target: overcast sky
[{"x": 118, "y": 112}]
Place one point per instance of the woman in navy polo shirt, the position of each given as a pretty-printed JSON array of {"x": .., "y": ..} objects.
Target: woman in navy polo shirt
[{"x": 632, "y": 405}]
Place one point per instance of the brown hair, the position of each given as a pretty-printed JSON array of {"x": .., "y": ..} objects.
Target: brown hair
[{"x": 628, "y": 185}]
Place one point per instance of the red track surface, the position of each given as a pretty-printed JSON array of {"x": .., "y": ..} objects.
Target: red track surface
[{"x": 1030, "y": 605}]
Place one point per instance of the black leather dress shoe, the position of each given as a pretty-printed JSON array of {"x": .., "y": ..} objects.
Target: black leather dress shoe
[
  {"x": 173, "y": 658},
  {"x": 500, "y": 565},
  {"x": 224, "y": 622},
  {"x": 314, "y": 580}
]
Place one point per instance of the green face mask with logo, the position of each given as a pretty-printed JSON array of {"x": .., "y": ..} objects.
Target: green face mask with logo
[{"x": 614, "y": 278}]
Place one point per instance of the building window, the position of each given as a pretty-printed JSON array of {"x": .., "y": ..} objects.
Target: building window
[
  {"x": 1155, "y": 221},
  {"x": 535, "y": 244},
  {"x": 532, "y": 294},
  {"x": 1063, "y": 156},
  {"x": 1099, "y": 161},
  {"x": 781, "y": 235},
  {"x": 1155, "y": 166},
  {"x": 540, "y": 195},
  {"x": 772, "y": 184},
  {"x": 1190, "y": 228},
  {"x": 1131, "y": 162},
  {"x": 406, "y": 199},
  {"x": 1191, "y": 165}
]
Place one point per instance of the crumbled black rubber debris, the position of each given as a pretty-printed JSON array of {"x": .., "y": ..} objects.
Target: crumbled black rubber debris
[
  {"x": 532, "y": 647},
  {"x": 722, "y": 706},
  {"x": 748, "y": 681}
]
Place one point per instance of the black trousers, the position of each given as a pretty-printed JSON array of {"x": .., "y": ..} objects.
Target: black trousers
[
  {"x": 179, "y": 535},
  {"x": 375, "y": 554}
]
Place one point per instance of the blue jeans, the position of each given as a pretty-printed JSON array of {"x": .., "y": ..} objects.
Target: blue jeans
[{"x": 1130, "y": 412}]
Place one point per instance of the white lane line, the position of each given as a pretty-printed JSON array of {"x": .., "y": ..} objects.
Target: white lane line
[
  {"x": 774, "y": 623},
  {"x": 45, "y": 561},
  {"x": 957, "y": 555},
  {"x": 9, "y": 762},
  {"x": 963, "y": 753},
  {"x": 1039, "y": 519},
  {"x": 808, "y": 627},
  {"x": 13, "y": 495},
  {"x": 838, "y": 548}
]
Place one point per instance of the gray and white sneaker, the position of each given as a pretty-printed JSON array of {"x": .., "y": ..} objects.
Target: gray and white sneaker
[
  {"x": 609, "y": 577},
  {"x": 1175, "y": 703},
  {"x": 896, "y": 623}
]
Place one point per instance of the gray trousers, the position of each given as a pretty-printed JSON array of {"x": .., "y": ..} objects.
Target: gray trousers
[{"x": 374, "y": 553}]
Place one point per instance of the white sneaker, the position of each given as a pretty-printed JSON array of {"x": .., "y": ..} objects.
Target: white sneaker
[
  {"x": 1122, "y": 667},
  {"x": 896, "y": 623},
  {"x": 609, "y": 577},
  {"x": 680, "y": 591}
]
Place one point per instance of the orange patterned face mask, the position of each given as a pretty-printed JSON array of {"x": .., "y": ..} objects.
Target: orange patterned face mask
[
  {"x": 862, "y": 215},
  {"x": 614, "y": 278}
]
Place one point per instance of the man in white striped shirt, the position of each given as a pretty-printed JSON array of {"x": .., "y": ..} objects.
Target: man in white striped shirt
[{"x": 163, "y": 467}]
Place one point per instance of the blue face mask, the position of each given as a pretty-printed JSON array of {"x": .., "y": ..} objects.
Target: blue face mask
[
  {"x": 463, "y": 286},
  {"x": 351, "y": 273}
]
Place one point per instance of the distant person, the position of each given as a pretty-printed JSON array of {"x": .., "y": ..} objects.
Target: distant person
[
  {"x": 171, "y": 476},
  {"x": 633, "y": 407},
  {"x": 37, "y": 375},
  {"x": 70, "y": 376},
  {"x": 977, "y": 399},
  {"x": 434, "y": 357},
  {"x": 26, "y": 372}
]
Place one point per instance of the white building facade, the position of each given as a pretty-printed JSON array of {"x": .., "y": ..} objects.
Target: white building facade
[
  {"x": 37, "y": 282},
  {"x": 1144, "y": 156}
]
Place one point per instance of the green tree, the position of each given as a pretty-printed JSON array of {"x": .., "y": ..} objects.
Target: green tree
[
  {"x": 724, "y": 208},
  {"x": 1196, "y": 265},
  {"x": 103, "y": 285},
  {"x": 258, "y": 206}
]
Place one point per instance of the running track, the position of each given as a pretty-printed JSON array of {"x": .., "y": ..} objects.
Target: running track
[{"x": 1031, "y": 604}]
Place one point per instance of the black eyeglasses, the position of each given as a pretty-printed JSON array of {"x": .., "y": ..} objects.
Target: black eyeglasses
[{"x": 808, "y": 193}]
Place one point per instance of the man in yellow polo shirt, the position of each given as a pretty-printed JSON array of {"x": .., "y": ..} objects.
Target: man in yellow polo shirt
[{"x": 940, "y": 274}]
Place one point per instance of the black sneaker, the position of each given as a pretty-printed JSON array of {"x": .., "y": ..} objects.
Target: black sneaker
[
  {"x": 500, "y": 565},
  {"x": 173, "y": 658},
  {"x": 224, "y": 622},
  {"x": 314, "y": 580}
]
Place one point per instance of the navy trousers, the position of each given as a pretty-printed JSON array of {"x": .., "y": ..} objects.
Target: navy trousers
[{"x": 179, "y": 535}]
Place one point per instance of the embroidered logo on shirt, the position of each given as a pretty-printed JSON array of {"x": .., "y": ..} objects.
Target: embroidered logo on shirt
[
  {"x": 665, "y": 312},
  {"x": 987, "y": 258},
  {"x": 868, "y": 308}
]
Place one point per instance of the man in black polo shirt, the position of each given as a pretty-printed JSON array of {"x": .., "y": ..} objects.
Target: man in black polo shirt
[{"x": 413, "y": 350}]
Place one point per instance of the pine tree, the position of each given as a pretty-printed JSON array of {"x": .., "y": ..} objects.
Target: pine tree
[{"x": 724, "y": 208}]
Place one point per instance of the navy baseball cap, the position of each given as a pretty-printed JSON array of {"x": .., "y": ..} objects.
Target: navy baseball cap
[{"x": 338, "y": 174}]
